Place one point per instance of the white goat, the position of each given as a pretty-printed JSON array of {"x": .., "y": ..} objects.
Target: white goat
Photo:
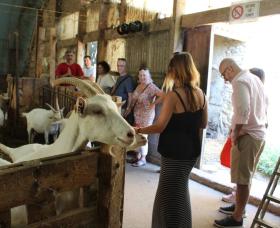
[
  {"x": 95, "y": 119},
  {"x": 40, "y": 121}
]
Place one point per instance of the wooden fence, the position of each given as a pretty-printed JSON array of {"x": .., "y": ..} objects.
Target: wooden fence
[{"x": 34, "y": 183}]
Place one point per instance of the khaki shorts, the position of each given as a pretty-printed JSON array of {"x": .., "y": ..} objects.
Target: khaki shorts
[{"x": 244, "y": 159}]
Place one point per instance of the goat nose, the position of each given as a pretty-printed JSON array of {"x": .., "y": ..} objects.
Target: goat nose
[{"x": 130, "y": 134}]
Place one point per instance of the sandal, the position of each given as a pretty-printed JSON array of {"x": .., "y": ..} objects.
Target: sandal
[{"x": 139, "y": 163}]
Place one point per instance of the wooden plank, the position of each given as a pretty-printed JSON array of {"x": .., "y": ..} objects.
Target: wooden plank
[
  {"x": 268, "y": 7},
  {"x": 42, "y": 207},
  {"x": 75, "y": 218},
  {"x": 159, "y": 25},
  {"x": 20, "y": 185},
  {"x": 207, "y": 17},
  {"x": 111, "y": 187}
]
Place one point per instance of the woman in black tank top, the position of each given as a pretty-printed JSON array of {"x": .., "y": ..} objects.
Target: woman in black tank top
[{"x": 183, "y": 114}]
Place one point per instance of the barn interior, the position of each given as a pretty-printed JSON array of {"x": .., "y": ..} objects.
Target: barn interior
[{"x": 35, "y": 34}]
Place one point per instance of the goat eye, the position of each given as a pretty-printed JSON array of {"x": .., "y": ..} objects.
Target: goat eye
[{"x": 97, "y": 112}]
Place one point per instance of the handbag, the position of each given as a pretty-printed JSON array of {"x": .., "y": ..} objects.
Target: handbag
[
  {"x": 130, "y": 117},
  {"x": 225, "y": 154}
]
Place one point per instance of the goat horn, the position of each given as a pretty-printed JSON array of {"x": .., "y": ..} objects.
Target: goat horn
[
  {"x": 56, "y": 100},
  {"x": 95, "y": 86},
  {"x": 85, "y": 88},
  {"x": 51, "y": 107}
]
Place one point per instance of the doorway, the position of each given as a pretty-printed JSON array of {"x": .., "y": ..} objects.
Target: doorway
[{"x": 253, "y": 44}]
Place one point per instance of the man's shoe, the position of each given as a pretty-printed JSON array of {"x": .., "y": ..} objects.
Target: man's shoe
[
  {"x": 228, "y": 222},
  {"x": 229, "y": 210}
]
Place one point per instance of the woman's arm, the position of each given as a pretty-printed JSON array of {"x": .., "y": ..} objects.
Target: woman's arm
[
  {"x": 169, "y": 103},
  {"x": 159, "y": 97},
  {"x": 204, "y": 116}
]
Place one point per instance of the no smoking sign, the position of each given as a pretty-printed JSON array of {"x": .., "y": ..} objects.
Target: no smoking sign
[
  {"x": 237, "y": 12},
  {"x": 244, "y": 12}
]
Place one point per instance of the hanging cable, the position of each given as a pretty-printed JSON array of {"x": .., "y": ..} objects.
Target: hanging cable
[{"x": 32, "y": 8}]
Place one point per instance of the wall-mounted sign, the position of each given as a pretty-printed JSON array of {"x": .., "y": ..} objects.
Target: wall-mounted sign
[{"x": 246, "y": 11}]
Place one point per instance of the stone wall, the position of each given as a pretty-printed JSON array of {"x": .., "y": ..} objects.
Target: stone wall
[{"x": 220, "y": 109}]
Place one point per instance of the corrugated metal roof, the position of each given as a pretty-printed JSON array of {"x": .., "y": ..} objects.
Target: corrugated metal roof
[{"x": 16, "y": 16}]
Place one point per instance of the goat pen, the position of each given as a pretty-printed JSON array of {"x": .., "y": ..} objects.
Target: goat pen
[{"x": 34, "y": 183}]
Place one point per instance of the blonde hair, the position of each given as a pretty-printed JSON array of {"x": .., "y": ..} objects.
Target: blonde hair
[
  {"x": 183, "y": 72},
  {"x": 181, "y": 69}
]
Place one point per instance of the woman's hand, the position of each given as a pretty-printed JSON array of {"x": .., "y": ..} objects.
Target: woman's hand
[
  {"x": 152, "y": 105},
  {"x": 137, "y": 129}
]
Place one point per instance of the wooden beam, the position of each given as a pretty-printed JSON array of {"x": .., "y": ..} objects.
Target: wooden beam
[
  {"x": 155, "y": 26},
  {"x": 268, "y": 7},
  {"x": 91, "y": 36},
  {"x": 67, "y": 43}
]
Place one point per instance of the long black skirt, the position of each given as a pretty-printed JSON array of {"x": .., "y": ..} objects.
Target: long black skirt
[{"x": 172, "y": 207}]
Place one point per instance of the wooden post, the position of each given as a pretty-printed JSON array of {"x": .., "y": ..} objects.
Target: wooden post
[
  {"x": 52, "y": 53},
  {"x": 123, "y": 9},
  {"x": 82, "y": 24},
  {"x": 82, "y": 27},
  {"x": 176, "y": 42},
  {"x": 102, "y": 43},
  {"x": 111, "y": 186},
  {"x": 5, "y": 218}
]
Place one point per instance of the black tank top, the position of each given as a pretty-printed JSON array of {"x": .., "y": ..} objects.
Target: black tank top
[{"x": 180, "y": 139}]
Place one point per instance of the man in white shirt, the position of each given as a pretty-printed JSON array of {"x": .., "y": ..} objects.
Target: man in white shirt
[
  {"x": 89, "y": 71},
  {"x": 247, "y": 135}
]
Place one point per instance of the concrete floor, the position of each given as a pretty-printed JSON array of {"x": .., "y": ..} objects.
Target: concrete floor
[{"x": 140, "y": 188}]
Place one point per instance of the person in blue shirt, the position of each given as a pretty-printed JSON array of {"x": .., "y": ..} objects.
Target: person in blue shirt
[{"x": 124, "y": 86}]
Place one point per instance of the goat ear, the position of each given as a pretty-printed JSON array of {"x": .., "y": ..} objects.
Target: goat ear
[
  {"x": 80, "y": 105},
  {"x": 120, "y": 104}
]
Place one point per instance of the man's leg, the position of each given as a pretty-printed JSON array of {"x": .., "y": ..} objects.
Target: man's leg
[{"x": 242, "y": 195}]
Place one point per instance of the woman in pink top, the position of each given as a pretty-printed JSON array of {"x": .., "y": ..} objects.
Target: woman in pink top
[{"x": 144, "y": 98}]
